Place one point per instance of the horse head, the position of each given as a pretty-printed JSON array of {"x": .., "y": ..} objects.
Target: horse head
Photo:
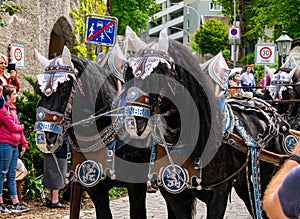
[
  {"x": 54, "y": 107},
  {"x": 281, "y": 87},
  {"x": 181, "y": 108},
  {"x": 75, "y": 92}
]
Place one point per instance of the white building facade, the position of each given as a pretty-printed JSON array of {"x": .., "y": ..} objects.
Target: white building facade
[{"x": 182, "y": 18}]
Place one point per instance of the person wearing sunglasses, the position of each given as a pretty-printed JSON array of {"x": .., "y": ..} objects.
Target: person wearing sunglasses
[{"x": 6, "y": 78}]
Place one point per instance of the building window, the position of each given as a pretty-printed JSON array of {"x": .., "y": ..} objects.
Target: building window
[
  {"x": 188, "y": 24},
  {"x": 188, "y": 39},
  {"x": 165, "y": 19},
  {"x": 187, "y": 11},
  {"x": 215, "y": 6},
  {"x": 164, "y": 5}
]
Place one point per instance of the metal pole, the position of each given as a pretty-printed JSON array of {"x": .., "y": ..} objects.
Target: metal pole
[
  {"x": 178, "y": 28},
  {"x": 197, "y": 13},
  {"x": 234, "y": 43}
]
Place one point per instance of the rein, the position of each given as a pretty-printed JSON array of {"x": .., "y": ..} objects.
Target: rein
[{"x": 237, "y": 172}]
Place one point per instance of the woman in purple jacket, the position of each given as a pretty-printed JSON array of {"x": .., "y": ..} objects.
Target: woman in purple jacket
[{"x": 11, "y": 134}]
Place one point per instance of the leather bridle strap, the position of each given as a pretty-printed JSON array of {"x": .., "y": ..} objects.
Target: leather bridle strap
[{"x": 237, "y": 142}]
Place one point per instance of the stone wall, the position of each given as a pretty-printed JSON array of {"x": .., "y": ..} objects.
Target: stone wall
[{"x": 32, "y": 28}]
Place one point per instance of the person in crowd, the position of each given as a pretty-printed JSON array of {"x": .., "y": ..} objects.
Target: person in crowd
[
  {"x": 1, "y": 97},
  {"x": 251, "y": 64},
  {"x": 11, "y": 134},
  {"x": 5, "y": 77},
  {"x": 282, "y": 196},
  {"x": 247, "y": 79},
  {"x": 265, "y": 81},
  {"x": 238, "y": 82},
  {"x": 231, "y": 89},
  {"x": 55, "y": 171}
]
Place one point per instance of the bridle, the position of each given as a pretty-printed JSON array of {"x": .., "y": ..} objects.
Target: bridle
[
  {"x": 132, "y": 103},
  {"x": 53, "y": 121}
]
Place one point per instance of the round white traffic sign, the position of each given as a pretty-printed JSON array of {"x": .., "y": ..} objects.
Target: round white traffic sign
[
  {"x": 265, "y": 52},
  {"x": 18, "y": 54}
]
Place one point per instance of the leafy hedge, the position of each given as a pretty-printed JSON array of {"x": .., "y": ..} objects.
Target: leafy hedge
[{"x": 33, "y": 158}]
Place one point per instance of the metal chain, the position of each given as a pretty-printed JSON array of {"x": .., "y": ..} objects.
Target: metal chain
[{"x": 83, "y": 121}]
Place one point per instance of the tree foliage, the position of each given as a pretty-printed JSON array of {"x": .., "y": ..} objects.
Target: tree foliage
[
  {"x": 256, "y": 16},
  {"x": 212, "y": 37},
  {"x": 26, "y": 107},
  {"x": 278, "y": 16},
  {"x": 133, "y": 13},
  {"x": 79, "y": 13},
  {"x": 8, "y": 8}
]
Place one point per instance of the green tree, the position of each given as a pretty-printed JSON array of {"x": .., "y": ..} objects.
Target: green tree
[
  {"x": 256, "y": 16},
  {"x": 8, "y": 8},
  {"x": 278, "y": 16},
  {"x": 212, "y": 37},
  {"x": 79, "y": 13},
  {"x": 26, "y": 107},
  {"x": 133, "y": 13},
  {"x": 244, "y": 14}
]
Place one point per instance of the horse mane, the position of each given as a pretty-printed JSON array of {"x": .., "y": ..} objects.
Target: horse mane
[
  {"x": 95, "y": 91},
  {"x": 190, "y": 75}
]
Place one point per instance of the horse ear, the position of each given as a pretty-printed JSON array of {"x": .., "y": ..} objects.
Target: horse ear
[
  {"x": 270, "y": 72},
  {"x": 164, "y": 40},
  {"x": 43, "y": 60},
  {"x": 136, "y": 42},
  {"x": 66, "y": 57},
  {"x": 291, "y": 74}
]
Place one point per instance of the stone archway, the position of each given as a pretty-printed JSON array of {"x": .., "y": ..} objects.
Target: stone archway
[{"x": 61, "y": 34}]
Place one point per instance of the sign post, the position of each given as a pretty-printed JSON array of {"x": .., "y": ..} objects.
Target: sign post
[
  {"x": 234, "y": 35},
  {"x": 265, "y": 55},
  {"x": 101, "y": 30},
  {"x": 234, "y": 38}
]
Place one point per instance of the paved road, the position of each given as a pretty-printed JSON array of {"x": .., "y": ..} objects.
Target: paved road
[{"x": 156, "y": 208}]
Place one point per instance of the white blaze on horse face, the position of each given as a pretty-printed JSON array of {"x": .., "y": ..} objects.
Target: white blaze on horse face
[
  {"x": 43, "y": 60},
  {"x": 136, "y": 42}
]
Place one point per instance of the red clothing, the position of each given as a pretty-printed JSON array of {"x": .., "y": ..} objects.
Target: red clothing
[
  {"x": 262, "y": 81},
  {"x": 10, "y": 130},
  {"x": 12, "y": 81}
]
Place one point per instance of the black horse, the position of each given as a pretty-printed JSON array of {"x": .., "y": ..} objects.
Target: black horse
[
  {"x": 284, "y": 93},
  {"x": 79, "y": 99},
  {"x": 203, "y": 163}
]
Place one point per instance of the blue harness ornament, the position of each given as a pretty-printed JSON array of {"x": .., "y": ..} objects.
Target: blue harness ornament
[
  {"x": 48, "y": 127},
  {"x": 89, "y": 173},
  {"x": 173, "y": 178},
  {"x": 290, "y": 142}
]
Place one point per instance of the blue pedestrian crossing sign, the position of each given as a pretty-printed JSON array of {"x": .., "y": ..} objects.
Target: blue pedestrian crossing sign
[{"x": 101, "y": 30}]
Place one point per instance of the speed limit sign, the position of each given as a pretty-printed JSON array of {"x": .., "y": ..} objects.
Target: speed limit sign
[
  {"x": 17, "y": 55},
  {"x": 265, "y": 54}
]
